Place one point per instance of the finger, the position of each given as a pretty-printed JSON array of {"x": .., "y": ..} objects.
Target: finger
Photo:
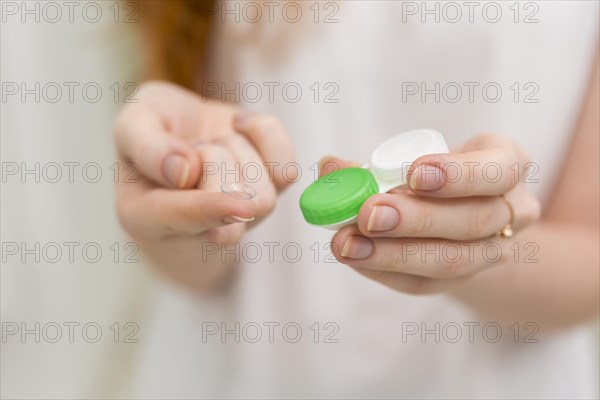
[
  {"x": 253, "y": 172},
  {"x": 441, "y": 259},
  {"x": 268, "y": 135},
  {"x": 404, "y": 214},
  {"x": 215, "y": 172},
  {"x": 184, "y": 112},
  {"x": 411, "y": 284},
  {"x": 147, "y": 211},
  {"x": 329, "y": 164},
  {"x": 163, "y": 158},
  {"x": 491, "y": 165},
  {"x": 217, "y": 164}
]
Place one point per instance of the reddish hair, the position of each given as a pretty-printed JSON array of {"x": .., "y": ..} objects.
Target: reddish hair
[{"x": 176, "y": 36}]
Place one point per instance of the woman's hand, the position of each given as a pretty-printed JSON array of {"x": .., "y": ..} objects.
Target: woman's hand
[
  {"x": 184, "y": 147},
  {"x": 431, "y": 236}
]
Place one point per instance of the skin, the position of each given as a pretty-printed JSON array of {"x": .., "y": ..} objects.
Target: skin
[
  {"x": 178, "y": 218},
  {"x": 171, "y": 222},
  {"x": 558, "y": 290}
]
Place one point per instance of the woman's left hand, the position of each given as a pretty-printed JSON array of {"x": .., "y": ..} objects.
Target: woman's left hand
[{"x": 431, "y": 236}]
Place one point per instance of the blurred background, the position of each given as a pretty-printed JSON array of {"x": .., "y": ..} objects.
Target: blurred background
[{"x": 68, "y": 132}]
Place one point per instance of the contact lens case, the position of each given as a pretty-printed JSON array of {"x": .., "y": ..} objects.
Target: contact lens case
[{"x": 334, "y": 200}]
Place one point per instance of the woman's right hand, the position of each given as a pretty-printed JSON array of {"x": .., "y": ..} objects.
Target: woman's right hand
[{"x": 184, "y": 147}]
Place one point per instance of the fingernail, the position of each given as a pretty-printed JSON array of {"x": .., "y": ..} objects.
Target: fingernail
[
  {"x": 234, "y": 219},
  {"x": 383, "y": 218},
  {"x": 240, "y": 118},
  {"x": 427, "y": 177},
  {"x": 176, "y": 170},
  {"x": 357, "y": 247}
]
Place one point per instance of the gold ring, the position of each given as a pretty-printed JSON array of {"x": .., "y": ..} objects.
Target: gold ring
[{"x": 507, "y": 231}]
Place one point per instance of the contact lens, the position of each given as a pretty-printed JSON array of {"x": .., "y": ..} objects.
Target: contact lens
[{"x": 238, "y": 191}]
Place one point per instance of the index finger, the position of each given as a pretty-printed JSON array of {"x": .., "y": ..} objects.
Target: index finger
[{"x": 491, "y": 165}]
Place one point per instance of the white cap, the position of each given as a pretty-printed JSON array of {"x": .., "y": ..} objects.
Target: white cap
[{"x": 391, "y": 159}]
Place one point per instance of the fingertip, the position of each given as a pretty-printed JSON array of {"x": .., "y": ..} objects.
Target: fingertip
[
  {"x": 325, "y": 159},
  {"x": 290, "y": 175},
  {"x": 329, "y": 164}
]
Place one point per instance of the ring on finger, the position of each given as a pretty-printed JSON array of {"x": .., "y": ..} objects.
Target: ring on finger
[{"x": 507, "y": 230}]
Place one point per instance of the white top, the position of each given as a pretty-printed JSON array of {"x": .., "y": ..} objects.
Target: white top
[
  {"x": 391, "y": 160},
  {"x": 368, "y": 55}
]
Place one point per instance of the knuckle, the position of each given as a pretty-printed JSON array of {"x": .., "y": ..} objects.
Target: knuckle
[
  {"x": 125, "y": 121},
  {"x": 268, "y": 125},
  {"x": 448, "y": 269},
  {"x": 506, "y": 181},
  {"x": 480, "y": 221},
  {"x": 422, "y": 222},
  {"x": 394, "y": 259}
]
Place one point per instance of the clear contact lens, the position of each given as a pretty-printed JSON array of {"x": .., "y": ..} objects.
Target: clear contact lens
[{"x": 238, "y": 191}]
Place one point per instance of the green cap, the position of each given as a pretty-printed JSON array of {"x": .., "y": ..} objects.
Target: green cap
[{"x": 337, "y": 196}]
